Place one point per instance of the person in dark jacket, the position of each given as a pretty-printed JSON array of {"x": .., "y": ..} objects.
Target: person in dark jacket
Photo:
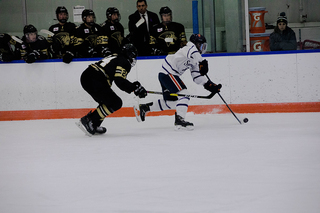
[
  {"x": 283, "y": 37},
  {"x": 140, "y": 24}
]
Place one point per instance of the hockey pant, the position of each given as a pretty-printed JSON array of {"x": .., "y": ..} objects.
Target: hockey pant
[
  {"x": 95, "y": 83},
  {"x": 172, "y": 84}
]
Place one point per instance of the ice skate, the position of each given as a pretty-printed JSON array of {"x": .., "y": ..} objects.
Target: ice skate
[
  {"x": 100, "y": 130},
  {"x": 86, "y": 125},
  {"x": 181, "y": 124},
  {"x": 143, "y": 110}
]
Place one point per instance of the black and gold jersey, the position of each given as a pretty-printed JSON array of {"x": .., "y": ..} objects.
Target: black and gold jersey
[
  {"x": 115, "y": 68},
  {"x": 115, "y": 33},
  {"x": 169, "y": 39},
  {"x": 87, "y": 39}
]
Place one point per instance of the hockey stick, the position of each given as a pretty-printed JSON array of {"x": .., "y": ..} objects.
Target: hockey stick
[
  {"x": 183, "y": 95},
  {"x": 226, "y": 104},
  {"x": 17, "y": 39},
  {"x": 47, "y": 32}
]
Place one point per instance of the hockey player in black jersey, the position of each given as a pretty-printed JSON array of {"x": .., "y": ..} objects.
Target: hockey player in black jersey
[
  {"x": 113, "y": 29},
  {"x": 168, "y": 36},
  {"x": 8, "y": 51},
  {"x": 62, "y": 41},
  {"x": 89, "y": 38},
  {"x": 34, "y": 46},
  {"x": 97, "y": 80}
]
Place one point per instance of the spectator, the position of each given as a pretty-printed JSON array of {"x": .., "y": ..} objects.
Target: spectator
[
  {"x": 283, "y": 37},
  {"x": 7, "y": 48},
  {"x": 61, "y": 42},
  {"x": 167, "y": 37},
  {"x": 89, "y": 38},
  {"x": 34, "y": 46},
  {"x": 140, "y": 22},
  {"x": 113, "y": 29}
]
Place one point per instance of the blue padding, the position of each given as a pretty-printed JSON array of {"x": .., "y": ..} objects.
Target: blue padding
[{"x": 195, "y": 17}]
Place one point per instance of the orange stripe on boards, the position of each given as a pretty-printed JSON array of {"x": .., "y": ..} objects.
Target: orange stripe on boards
[{"x": 199, "y": 109}]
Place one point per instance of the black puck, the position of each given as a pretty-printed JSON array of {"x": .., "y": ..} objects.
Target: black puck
[{"x": 245, "y": 120}]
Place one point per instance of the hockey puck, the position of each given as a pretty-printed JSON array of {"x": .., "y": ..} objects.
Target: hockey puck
[{"x": 245, "y": 120}]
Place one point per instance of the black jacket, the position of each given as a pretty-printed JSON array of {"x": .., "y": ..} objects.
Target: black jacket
[
  {"x": 140, "y": 36},
  {"x": 283, "y": 41}
]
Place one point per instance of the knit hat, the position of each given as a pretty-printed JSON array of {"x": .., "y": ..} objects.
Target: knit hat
[{"x": 282, "y": 18}]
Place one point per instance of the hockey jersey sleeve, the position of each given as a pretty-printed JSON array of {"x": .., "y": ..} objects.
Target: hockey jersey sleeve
[
  {"x": 195, "y": 58},
  {"x": 120, "y": 79}
]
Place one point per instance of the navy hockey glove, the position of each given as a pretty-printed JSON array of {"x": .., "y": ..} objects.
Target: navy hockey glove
[
  {"x": 67, "y": 58},
  {"x": 212, "y": 87},
  {"x": 140, "y": 90},
  {"x": 32, "y": 57},
  {"x": 203, "y": 67}
]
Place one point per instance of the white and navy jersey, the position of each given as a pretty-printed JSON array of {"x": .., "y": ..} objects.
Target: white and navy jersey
[{"x": 185, "y": 58}]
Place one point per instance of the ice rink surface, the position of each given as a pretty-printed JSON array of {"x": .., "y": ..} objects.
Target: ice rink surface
[{"x": 269, "y": 165}]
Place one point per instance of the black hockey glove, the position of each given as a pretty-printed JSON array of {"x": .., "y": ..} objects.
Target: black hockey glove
[
  {"x": 140, "y": 90},
  {"x": 67, "y": 58},
  {"x": 105, "y": 52},
  {"x": 203, "y": 67},
  {"x": 6, "y": 57},
  {"x": 32, "y": 57},
  {"x": 155, "y": 51},
  {"x": 212, "y": 87},
  {"x": 92, "y": 52}
]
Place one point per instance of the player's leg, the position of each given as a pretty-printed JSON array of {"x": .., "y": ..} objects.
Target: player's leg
[{"x": 97, "y": 86}]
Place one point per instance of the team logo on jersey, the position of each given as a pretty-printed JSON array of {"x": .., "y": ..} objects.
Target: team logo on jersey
[
  {"x": 169, "y": 38},
  {"x": 111, "y": 27},
  {"x": 55, "y": 29},
  {"x": 117, "y": 36},
  {"x": 86, "y": 31},
  {"x": 159, "y": 30}
]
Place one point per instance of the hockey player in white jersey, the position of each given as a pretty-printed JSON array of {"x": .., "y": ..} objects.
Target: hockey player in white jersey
[{"x": 188, "y": 57}]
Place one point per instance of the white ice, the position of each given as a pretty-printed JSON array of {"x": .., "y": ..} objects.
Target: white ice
[{"x": 269, "y": 165}]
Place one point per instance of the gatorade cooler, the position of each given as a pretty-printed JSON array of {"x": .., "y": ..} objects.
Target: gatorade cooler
[
  {"x": 259, "y": 42},
  {"x": 257, "y": 19}
]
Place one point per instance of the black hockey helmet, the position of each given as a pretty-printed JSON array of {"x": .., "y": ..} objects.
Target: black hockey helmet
[
  {"x": 29, "y": 29},
  {"x": 165, "y": 10},
  {"x": 62, "y": 9},
  {"x": 113, "y": 10},
  {"x": 130, "y": 52},
  {"x": 200, "y": 42},
  {"x": 88, "y": 12}
]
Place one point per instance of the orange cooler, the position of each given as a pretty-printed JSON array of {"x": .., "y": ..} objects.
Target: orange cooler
[
  {"x": 259, "y": 42},
  {"x": 257, "y": 19}
]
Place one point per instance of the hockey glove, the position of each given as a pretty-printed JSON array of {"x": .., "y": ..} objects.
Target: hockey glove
[
  {"x": 155, "y": 51},
  {"x": 203, "y": 67},
  {"x": 67, "y": 58},
  {"x": 105, "y": 52},
  {"x": 212, "y": 87},
  {"x": 32, "y": 57},
  {"x": 92, "y": 53},
  {"x": 140, "y": 90}
]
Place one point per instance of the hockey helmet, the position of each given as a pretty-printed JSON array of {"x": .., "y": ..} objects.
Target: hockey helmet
[
  {"x": 113, "y": 10},
  {"x": 200, "y": 42},
  {"x": 30, "y": 29},
  {"x": 85, "y": 14},
  {"x": 62, "y": 9},
  {"x": 130, "y": 52},
  {"x": 166, "y": 10}
]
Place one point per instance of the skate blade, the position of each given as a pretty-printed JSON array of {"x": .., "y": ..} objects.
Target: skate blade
[
  {"x": 83, "y": 129},
  {"x": 181, "y": 128},
  {"x": 137, "y": 113}
]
